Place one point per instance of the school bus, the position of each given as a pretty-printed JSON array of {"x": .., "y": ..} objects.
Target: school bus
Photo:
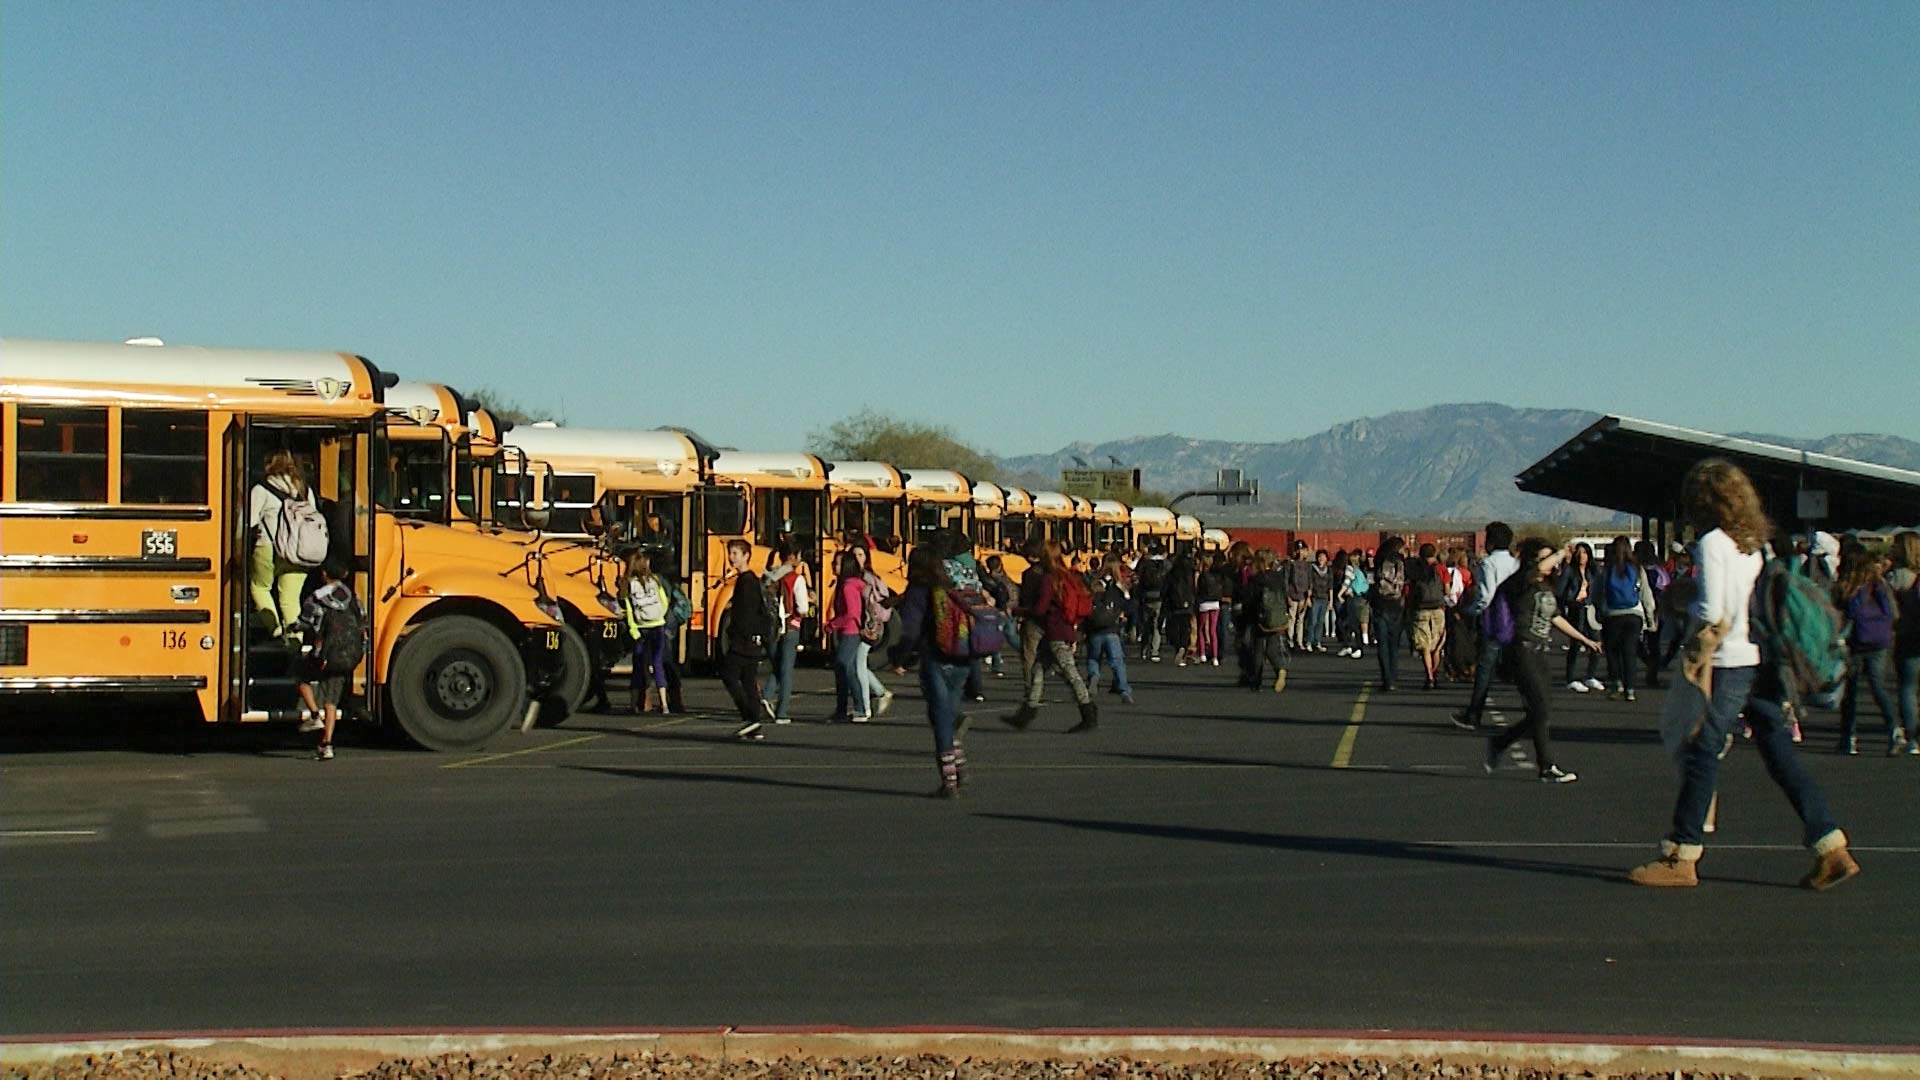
[
  {"x": 1215, "y": 540},
  {"x": 1154, "y": 525},
  {"x": 1187, "y": 532},
  {"x": 1053, "y": 517},
  {"x": 761, "y": 498},
  {"x": 1112, "y": 524},
  {"x": 868, "y": 498},
  {"x": 1017, "y": 524},
  {"x": 989, "y": 536},
  {"x": 444, "y": 450},
  {"x": 127, "y": 549},
  {"x": 938, "y": 501}
]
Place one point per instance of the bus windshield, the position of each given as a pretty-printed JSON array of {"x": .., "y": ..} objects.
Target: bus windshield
[{"x": 417, "y": 479}]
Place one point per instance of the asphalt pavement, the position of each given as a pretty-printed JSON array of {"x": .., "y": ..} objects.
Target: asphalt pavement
[{"x": 1325, "y": 858}]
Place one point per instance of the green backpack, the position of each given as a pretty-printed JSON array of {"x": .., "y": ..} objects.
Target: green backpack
[{"x": 1799, "y": 631}]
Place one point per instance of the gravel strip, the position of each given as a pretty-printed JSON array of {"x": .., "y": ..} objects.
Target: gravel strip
[{"x": 155, "y": 1064}]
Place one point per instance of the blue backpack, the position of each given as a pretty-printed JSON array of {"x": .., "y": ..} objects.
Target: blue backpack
[
  {"x": 1496, "y": 621},
  {"x": 1623, "y": 592}
]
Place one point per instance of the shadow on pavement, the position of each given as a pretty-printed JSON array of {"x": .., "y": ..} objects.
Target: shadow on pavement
[
  {"x": 702, "y": 777},
  {"x": 1262, "y": 763}
]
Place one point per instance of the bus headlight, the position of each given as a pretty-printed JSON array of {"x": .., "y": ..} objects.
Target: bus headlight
[{"x": 549, "y": 608}]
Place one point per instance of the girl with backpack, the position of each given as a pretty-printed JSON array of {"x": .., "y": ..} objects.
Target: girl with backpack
[
  {"x": 1056, "y": 602},
  {"x": 876, "y": 612},
  {"x": 274, "y": 581},
  {"x": 1626, "y": 610},
  {"x": 942, "y": 678},
  {"x": 645, "y": 601},
  {"x": 788, "y": 574},
  {"x": 1533, "y": 612},
  {"x": 1717, "y": 498},
  {"x": 1904, "y": 580},
  {"x": 1868, "y": 604},
  {"x": 1389, "y": 609},
  {"x": 849, "y": 597},
  {"x": 1207, "y": 608},
  {"x": 1359, "y": 608},
  {"x": 1111, "y": 600},
  {"x": 1577, "y": 588}
]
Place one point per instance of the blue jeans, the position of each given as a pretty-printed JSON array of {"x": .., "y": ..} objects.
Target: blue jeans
[
  {"x": 1483, "y": 669},
  {"x": 941, "y": 682},
  {"x": 848, "y": 687},
  {"x": 779, "y": 686},
  {"x": 1909, "y": 668},
  {"x": 1759, "y": 694},
  {"x": 1105, "y": 648},
  {"x": 1389, "y": 621},
  {"x": 1316, "y": 622},
  {"x": 863, "y": 664},
  {"x": 1874, "y": 666}
]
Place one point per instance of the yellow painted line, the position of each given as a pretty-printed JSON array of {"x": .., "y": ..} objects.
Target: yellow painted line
[
  {"x": 1344, "y": 754},
  {"x": 516, "y": 753}
]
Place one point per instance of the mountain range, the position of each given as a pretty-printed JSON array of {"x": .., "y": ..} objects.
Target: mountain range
[{"x": 1442, "y": 463}]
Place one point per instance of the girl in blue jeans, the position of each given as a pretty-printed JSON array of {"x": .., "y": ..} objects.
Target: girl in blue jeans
[
  {"x": 1104, "y": 638},
  {"x": 942, "y": 678}
]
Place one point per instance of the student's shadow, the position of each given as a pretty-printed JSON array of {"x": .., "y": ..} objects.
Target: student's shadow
[
  {"x": 1349, "y": 846},
  {"x": 737, "y": 779},
  {"x": 1299, "y": 766}
]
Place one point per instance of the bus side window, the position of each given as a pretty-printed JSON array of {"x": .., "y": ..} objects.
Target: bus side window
[
  {"x": 163, "y": 457},
  {"x": 62, "y": 455}
]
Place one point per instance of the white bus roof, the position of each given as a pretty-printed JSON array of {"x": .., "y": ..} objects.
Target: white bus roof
[
  {"x": 1019, "y": 500},
  {"x": 869, "y": 475},
  {"x": 804, "y": 469},
  {"x": 1110, "y": 510},
  {"x": 1153, "y": 515},
  {"x": 187, "y": 376},
  {"x": 656, "y": 453},
  {"x": 1188, "y": 525},
  {"x": 425, "y": 405},
  {"x": 1052, "y": 501},
  {"x": 939, "y": 482},
  {"x": 987, "y": 493},
  {"x": 1216, "y": 536}
]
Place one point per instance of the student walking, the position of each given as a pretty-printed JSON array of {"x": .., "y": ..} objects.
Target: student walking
[
  {"x": 333, "y": 627},
  {"x": 1150, "y": 581},
  {"x": 1389, "y": 610},
  {"x": 1359, "y": 606},
  {"x": 1626, "y": 608},
  {"x": 875, "y": 612},
  {"x": 1534, "y": 614},
  {"x": 1498, "y": 565},
  {"x": 1717, "y": 497},
  {"x": 1058, "y": 602},
  {"x": 1427, "y": 599},
  {"x": 850, "y": 702},
  {"x": 1869, "y": 607},
  {"x": 788, "y": 575},
  {"x": 644, "y": 601},
  {"x": 746, "y": 632},
  {"x": 1207, "y": 612},
  {"x": 1270, "y": 619},
  {"x": 1177, "y": 598},
  {"x": 942, "y": 677},
  {"x": 1319, "y": 602},
  {"x": 1577, "y": 589},
  {"x": 1106, "y": 625},
  {"x": 1299, "y": 575},
  {"x": 1904, "y": 580}
]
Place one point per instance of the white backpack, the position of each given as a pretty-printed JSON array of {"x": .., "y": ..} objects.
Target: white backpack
[{"x": 299, "y": 532}]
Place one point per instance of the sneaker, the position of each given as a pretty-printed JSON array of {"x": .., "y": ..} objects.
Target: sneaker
[
  {"x": 750, "y": 731},
  {"x": 1554, "y": 774},
  {"x": 859, "y": 718},
  {"x": 1280, "y": 680},
  {"x": 886, "y": 702},
  {"x": 1596, "y": 684},
  {"x": 1491, "y": 761},
  {"x": 311, "y": 724},
  {"x": 1830, "y": 869},
  {"x": 1913, "y": 748},
  {"x": 783, "y": 719},
  {"x": 1577, "y": 686},
  {"x": 767, "y": 707},
  {"x": 1794, "y": 730},
  {"x": 1666, "y": 872},
  {"x": 1897, "y": 744},
  {"x": 1628, "y": 694},
  {"x": 1126, "y": 698},
  {"x": 1358, "y": 655},
  {"x": 1154, "y": 659},
  {"x": 1848, "y": 746},
  {"x": 1216, "y": 661},
  {"x": 1464, "y": 722},
  {"x": 325, "y": 753},
  {"x": 976, "y": 697}
]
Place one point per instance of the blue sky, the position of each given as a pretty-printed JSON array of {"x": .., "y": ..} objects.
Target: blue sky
[{"x": 1032, "y": 222}]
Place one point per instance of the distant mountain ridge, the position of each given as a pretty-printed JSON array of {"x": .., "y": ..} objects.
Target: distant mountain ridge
[{"x": 1445, "y": 462}]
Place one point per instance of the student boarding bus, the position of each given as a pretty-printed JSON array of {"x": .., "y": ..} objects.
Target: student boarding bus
[
  {"x": 763, "y": 499},
  {"x": 128, "y": 546},
  {"x": 868, "y": 499},
  {"x": 1112, "y": 525},
  {"x": 938, "y": 501},
  {"x": 1187, "y": 532},
  {"x": 1154, "y": 525},
  {"x": 437, "y": 453},
  {"x": 594, "y": 496}
]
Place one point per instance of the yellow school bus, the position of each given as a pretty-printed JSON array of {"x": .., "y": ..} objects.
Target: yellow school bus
[
  {"x": 938, "y": 501},
  {"x": 128, "y": 549},
  {"x": 1215, "y": 540},
  {"x": 1017, "y": 524},
  {"x": 989, "y": 533},
  {"x": 1053, "y": 517},
  {"x": 444, "y": 451},
  {"x": 868, "y": 498},
  {"x": 763, "y": 499},
  {"x": 1154, "y": 525},
  {"x": 1112, "y": 525},
  {"x": 1187, "y": 532}
]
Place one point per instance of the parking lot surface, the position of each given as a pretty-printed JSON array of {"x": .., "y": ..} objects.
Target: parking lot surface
[{"x": 1325, "y": 858}]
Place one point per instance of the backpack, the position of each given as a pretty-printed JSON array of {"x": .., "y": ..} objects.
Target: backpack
[
  {"x": 965, "y": 625},
  {"x": 679, "y": 606},
  {"x": 1792, "y": 620},
  {"x": 751, "y": 618},
  {"x": 299, "y": 534},
  {"x": 1274, "y": 609},
  {"x": 1076, "y": 603},
  {"x": 1109, "y": 610},
  {"x": 1429, "y": 592},
  {"x": 1870, "y": 613},
  {"x": 342, "y": 640},
  {"x": 1389, "y": 581},
  {"x": 1496, "y": 621},
  {"x": 1153, "y": 578},
  {"x": 1623, "y": 593},
  {"x": 873, "y": 613}
]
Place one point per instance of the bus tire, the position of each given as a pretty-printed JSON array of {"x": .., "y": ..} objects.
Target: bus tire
[
  {"x": 456, "y": 682},
  {"x": 569, "y": 692}
]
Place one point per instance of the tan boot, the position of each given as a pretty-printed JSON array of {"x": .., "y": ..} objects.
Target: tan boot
[
  {"x": 1674, "y": 869},
  {"x": 1831, "y": 863}
]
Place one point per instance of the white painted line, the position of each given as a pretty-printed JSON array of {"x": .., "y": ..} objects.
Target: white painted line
[
  {"x": 1572, "y": 845},
  {"x": 174, "y": 830},
  {"x": 30, "y": 833}
]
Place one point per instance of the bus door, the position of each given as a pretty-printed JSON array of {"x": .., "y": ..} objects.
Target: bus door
[
  {"x": 335, "y": 459},
  {"x": 719, "y": 513},
  {"x": 793, "y": 515}
]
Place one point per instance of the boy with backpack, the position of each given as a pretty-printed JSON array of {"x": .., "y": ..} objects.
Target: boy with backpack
[
  {"x": 1149, "y": 579},
  {"x": 1268, "y": 612},
  {"x": 746, "y": 631},
  {"x": 1427, "y": 597},
  {"x": 334, "y": 628},
  {"x": 1104, "y": 627}
]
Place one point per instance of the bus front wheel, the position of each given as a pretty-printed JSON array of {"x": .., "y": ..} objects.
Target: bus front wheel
[{"x": 456, "y": 683}]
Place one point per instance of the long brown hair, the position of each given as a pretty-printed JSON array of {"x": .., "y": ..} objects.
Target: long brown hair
[
  {"x": 1859, "y": 569},
  {"x": 1906, "y": 550},
  {"x": 1717, "y": 494}
]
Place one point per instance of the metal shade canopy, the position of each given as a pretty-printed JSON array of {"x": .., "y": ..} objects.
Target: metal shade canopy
[{"x": 1636, "y": 466}]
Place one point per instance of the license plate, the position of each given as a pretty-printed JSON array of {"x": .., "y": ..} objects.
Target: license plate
[{"x": 159, "y": 543}]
